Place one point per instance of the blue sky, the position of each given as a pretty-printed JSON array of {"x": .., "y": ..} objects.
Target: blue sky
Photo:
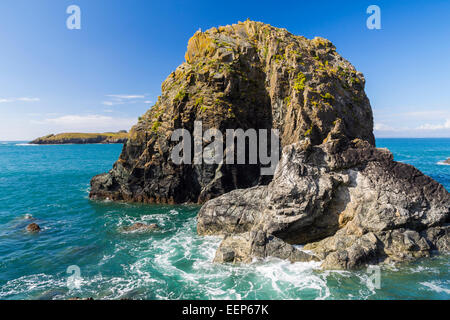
[{"x": 102, "y": 77}]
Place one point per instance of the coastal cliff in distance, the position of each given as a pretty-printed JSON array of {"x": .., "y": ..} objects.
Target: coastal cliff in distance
[
  {"x": 349, "y": 203},
  {"x": 83, "y": 138}
]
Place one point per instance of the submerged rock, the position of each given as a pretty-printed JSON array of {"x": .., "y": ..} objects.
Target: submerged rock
[
  {"x": 33, "y": 228},
  {"x": 141, "y": 227},
  {"x": 248, "y": 75},
  {"x": 348, "y": 201}
]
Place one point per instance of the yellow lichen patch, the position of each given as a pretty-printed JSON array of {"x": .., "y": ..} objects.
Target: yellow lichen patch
[
  {"x": 156, "y": 126},
  {"x": 299, "y": 82},
  {"x": 322, "y": 43},
  {"x": 308, "y": 132},
  {"x": 327, "y": 96},
  {"x": 198, "y": 101},
  {"x": 200, "y": 45}
]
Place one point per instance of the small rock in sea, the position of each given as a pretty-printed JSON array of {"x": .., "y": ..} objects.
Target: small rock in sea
[
  {"x": 33, "y": 227},
  {"x": 447, "y": 161},
  {"x": 28, "y": 216},
  {"x": 141, "y": 227}
]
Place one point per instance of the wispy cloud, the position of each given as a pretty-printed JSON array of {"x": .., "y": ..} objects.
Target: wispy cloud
[
  {"x": 415, "y": 122},
  {"x": 382, "y": 127},
  {"x": 427, "y": 126},
  {"x": 126, "y": 96},
  {"x": 118, "y": 99},
  {"x": 77, "y": 119},
  {"x": 22, "y": 99},
  {"x": 88, "y": 123},
  {"x": 378, "y": 126},
  {"x": 439, "y": 126}
]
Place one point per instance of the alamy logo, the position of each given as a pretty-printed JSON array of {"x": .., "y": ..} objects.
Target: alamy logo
[
  {"x": 73, "y": 22},
  {"x": 235, "y": 148},
  {"x": 374, "y": 279},
  {"x": 74, "y": 281},
  {"x": 374, "y": 21}
]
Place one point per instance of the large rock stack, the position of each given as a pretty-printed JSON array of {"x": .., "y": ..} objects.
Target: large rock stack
[{"x": 249, "y": 76}]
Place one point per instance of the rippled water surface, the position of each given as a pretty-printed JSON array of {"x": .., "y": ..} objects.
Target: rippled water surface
[{"x": 49, "y": 185}]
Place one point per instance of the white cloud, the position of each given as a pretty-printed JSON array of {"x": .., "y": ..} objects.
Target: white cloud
[
  {"x": 118, "y": 99},
  {"x": 378, "y": 126},
  {"x": 126, "y": 96},
  {"x": 441, "y": 126},
  {"x": 382, "y": 127},
  {"x": 28, "y": 99},
  {"x": 23, "y": 99},
  {"x": 86, "y": 123},
  {"x": 76, "y": 119}
]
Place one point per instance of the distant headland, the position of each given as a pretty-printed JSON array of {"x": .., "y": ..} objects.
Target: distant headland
[{"x": 83, "y": 138}]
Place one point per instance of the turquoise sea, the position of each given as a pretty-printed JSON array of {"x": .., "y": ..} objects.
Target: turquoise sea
[{"x": 49, "y": 185}]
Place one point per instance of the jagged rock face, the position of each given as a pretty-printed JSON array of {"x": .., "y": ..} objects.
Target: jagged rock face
[
  {"x": 250, "y": 76},
  {"x": 348, "y": 201}
]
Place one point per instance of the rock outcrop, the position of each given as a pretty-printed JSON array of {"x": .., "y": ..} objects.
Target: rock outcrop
[
  {"x": 248, "y": 75},
  {"x": 83, "y": 138},
  {"x": 334, "y": 192},
  {"x": 347, "y": 201},
  {"x": 33, "y": 228}
]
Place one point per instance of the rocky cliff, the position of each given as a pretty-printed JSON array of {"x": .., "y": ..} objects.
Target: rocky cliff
[
  {"x": 83, "y": 138},
  {"x": 246, "y": 75},
  {"x": 333, "y": 191},
  {"x": 348, "y": 202}
]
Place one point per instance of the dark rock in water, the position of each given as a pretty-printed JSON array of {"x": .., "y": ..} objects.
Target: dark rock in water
[
  {"x": 33, "y": 227},
  {"x": 447, "y": 161},
  {"x": 141, "y": 227},
  {"x": 248, "y": 75},
  {"x": 348, "y": 201}
]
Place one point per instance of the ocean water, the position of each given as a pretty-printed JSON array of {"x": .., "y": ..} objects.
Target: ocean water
[{"x": 49, "y": 185}]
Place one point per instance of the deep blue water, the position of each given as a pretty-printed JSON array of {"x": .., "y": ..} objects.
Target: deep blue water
[{"x": 49, "y": 185}]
